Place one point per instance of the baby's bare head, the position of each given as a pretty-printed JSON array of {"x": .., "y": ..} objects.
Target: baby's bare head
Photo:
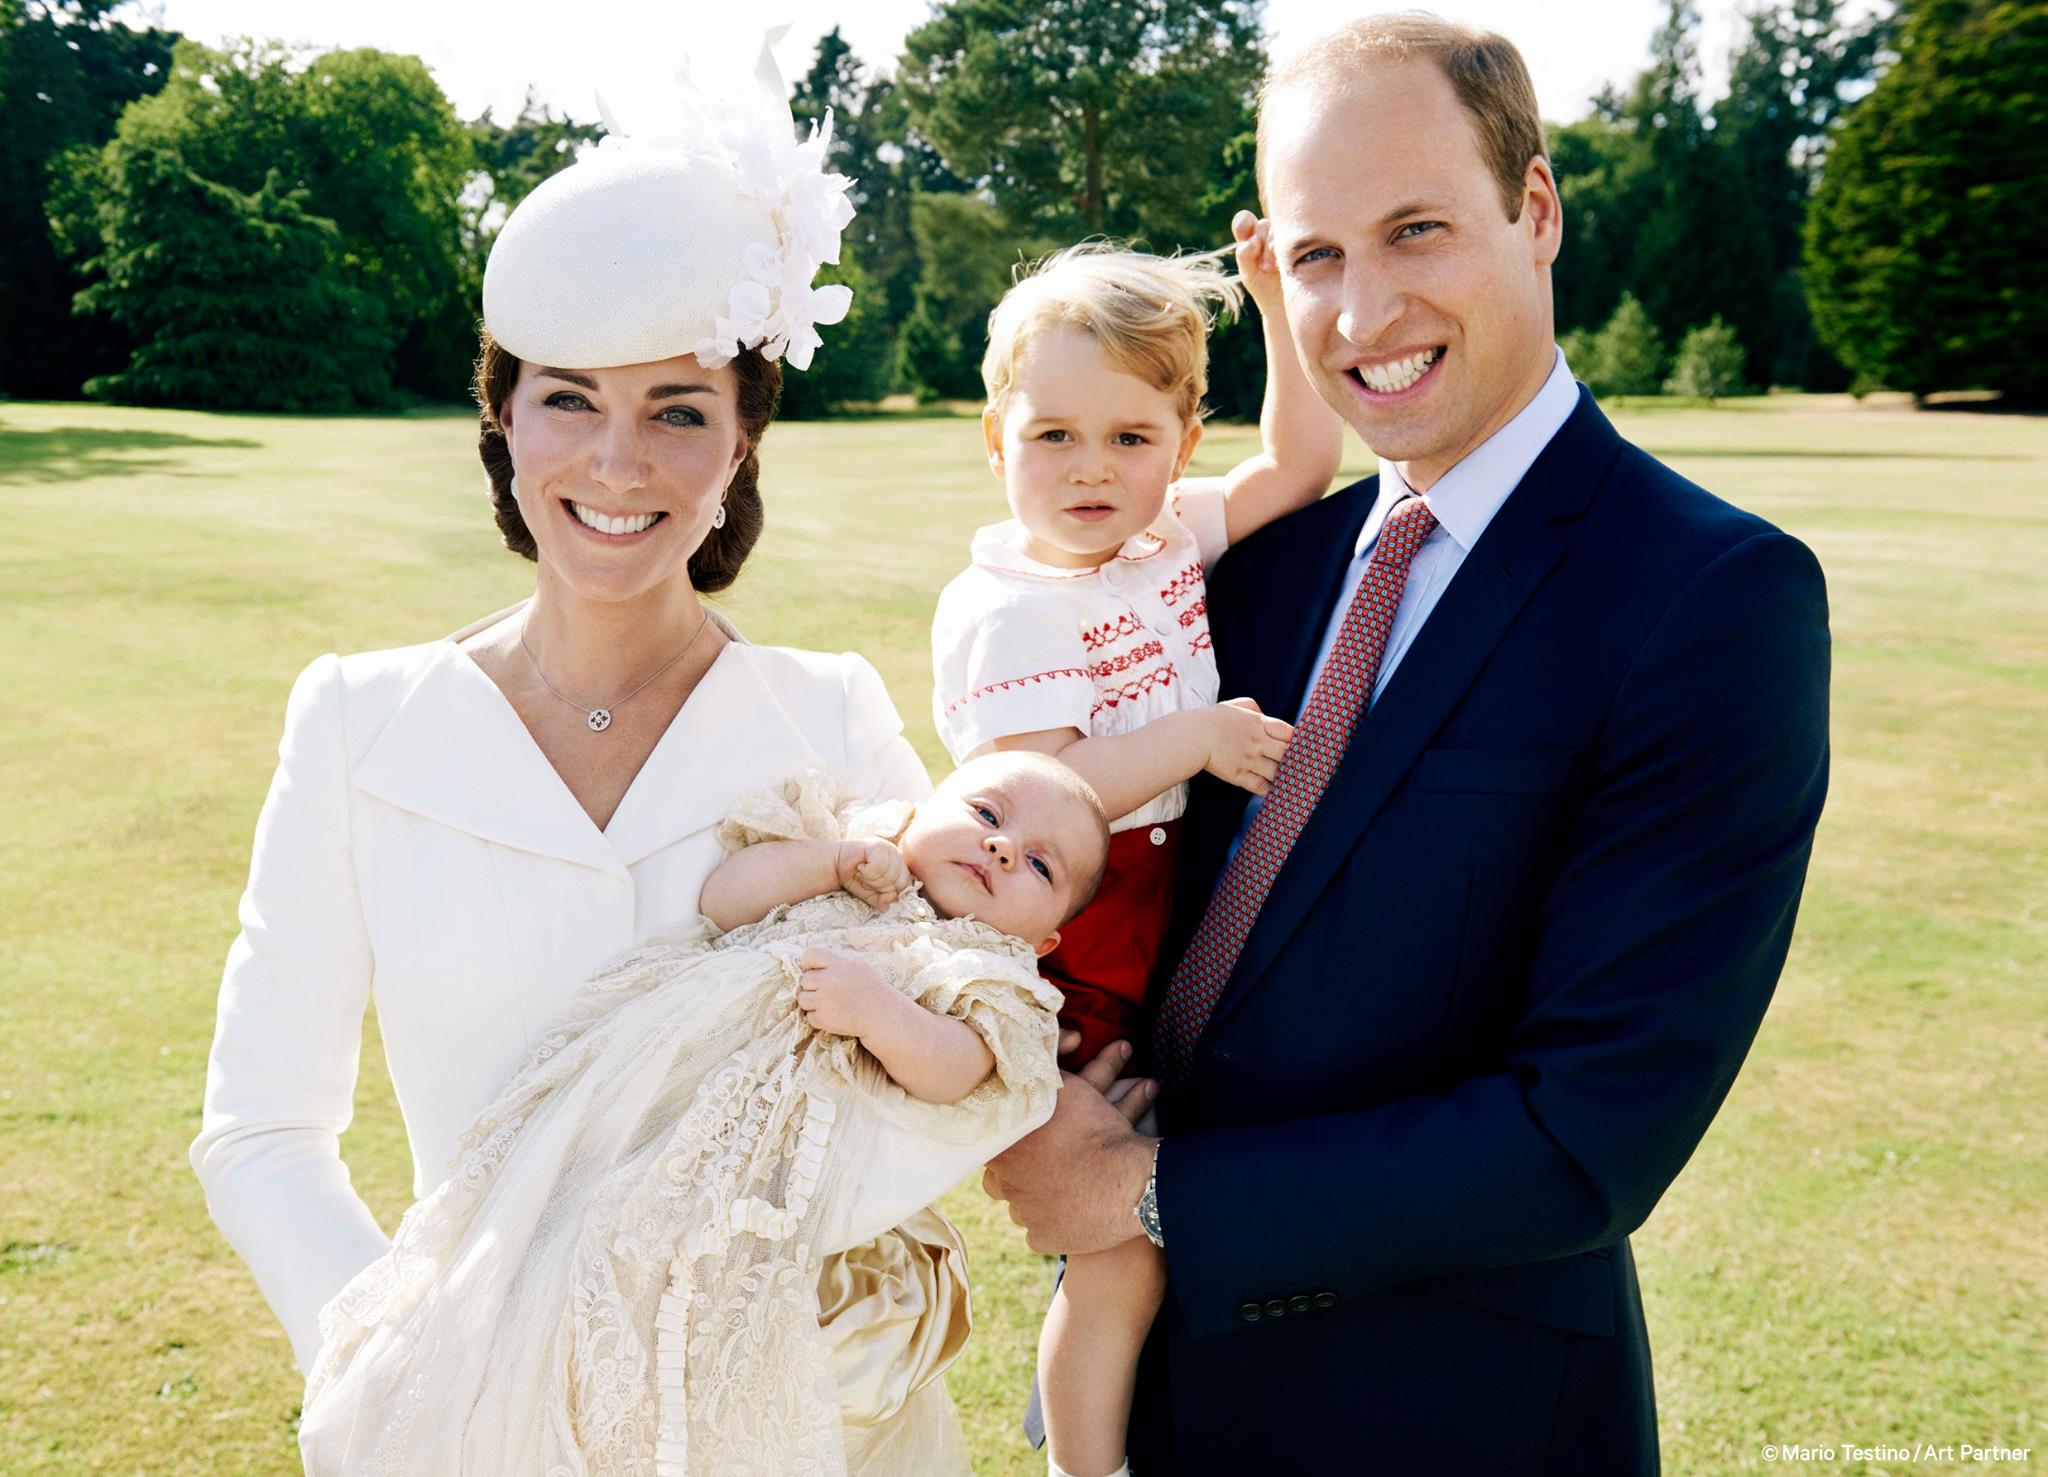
[{"x": 1016, "y": 839}]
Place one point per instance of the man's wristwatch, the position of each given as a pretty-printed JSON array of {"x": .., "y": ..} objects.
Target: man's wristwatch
[{"x": 1147, "y": 1209}]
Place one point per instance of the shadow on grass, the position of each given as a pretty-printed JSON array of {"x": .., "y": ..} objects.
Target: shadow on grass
[{"x": 75, "y": 453}]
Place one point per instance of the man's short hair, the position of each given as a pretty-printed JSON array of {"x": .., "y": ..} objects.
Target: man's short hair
[{"x": 1485, "y": 70}]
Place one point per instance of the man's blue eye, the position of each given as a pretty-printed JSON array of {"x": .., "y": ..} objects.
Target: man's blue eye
[
  {"x": 1417, "y": 227},
  {"x": 1311, "y": 254}
]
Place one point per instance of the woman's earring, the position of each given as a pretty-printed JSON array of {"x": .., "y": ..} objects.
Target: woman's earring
[
  {"x": 512, "y": 487},
  {"x": 718, "y": 518}
]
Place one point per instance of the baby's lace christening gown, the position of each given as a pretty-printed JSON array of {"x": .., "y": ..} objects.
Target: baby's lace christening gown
[{"x": 621, "y": 1276}]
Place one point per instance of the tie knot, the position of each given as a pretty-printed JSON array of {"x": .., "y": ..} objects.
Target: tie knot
[{"x": 1407, "y": 526}]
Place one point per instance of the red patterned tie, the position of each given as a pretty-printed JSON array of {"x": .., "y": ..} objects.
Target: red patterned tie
[{"x": 1320, "y": 738}]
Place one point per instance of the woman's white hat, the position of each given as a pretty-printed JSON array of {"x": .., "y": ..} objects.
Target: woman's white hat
[{"x": 704, "y": 242}]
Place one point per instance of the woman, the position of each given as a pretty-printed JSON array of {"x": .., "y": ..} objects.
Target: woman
[{"x": 463, "y": 830}]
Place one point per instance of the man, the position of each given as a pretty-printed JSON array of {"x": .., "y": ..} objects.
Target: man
[{"x": 1461, "y": 995}]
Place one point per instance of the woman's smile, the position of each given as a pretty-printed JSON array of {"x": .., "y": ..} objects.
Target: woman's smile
[{"x": 612, "y": 528}]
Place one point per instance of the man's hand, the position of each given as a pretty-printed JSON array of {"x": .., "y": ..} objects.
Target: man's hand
[
  {"x": 1245, "y": 746},
  {"x": 842, "y": 994},
  {"x": 873, "y": 871},
  {"x": 1256, "y": 262},
  {"x": 1074, "y": 1183}
]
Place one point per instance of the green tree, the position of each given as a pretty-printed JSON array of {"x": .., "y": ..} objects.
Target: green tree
[
  {"x": 1794, "y": 69},
  {"x": 1701, "y": 248},
  {"x": 1607, "y": 184},
  {"x": 970, "y": 254},
  {"x": 1088, "y": 117},
  {"x": 235, "y": 300},
  {"x": 884, "y": 178},
  {"x": 1708, "y": 364},
  {"x": 67, "y": 68},
  {"x": 362, "y": 139},
  {"x": 1924, "y": 245},
  {"x": 1628, "y": 355}
]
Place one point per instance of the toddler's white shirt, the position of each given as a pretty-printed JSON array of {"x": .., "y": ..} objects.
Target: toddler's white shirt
[{"x": 1019, "y": 646}]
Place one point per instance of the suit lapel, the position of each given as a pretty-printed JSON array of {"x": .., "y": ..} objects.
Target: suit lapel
[{"x": 1497, "y": 578}]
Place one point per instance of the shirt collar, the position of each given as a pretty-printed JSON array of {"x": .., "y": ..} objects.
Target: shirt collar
[
  {"x": 996, "y": 547},
  {"x": 1465, "y": 498}
]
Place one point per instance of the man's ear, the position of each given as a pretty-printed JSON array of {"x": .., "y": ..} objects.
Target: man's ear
[
  {"x": 992, "y": 438},
  {"x": 1189, "y": 440},
  {"x": 1047, "y": 944},
  {"x": 1542, "y": 212}
]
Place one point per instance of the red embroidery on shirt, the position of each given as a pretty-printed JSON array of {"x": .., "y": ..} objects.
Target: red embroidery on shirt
[
  {"x": 1035, "y": 678},
  {"x": 1097, "y": 637},
  {"x": 1202, "y": 643},
  {"x": 1186, "y": 582},
  {"x": 1194, "y": 612},
  {"x": 1130, "y": 692},
  {"x": 1130, "y": 659}
]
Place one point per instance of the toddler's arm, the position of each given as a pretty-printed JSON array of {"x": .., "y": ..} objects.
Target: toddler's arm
[
  {"x": 934, "y": 1058},
  {"x": 751, "y": 883},
  {"x": 1303, "y": 438},
  {"x": 1233, "y": 741}
]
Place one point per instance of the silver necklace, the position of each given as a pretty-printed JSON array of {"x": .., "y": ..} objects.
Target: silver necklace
[{"x": 600, "y": 719}]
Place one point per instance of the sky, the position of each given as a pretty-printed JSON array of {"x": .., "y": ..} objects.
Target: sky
[{"x": 488, "y": 54}]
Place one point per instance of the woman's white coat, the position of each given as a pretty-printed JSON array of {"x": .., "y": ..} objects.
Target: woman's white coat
[{"x": 417, "y": 849}]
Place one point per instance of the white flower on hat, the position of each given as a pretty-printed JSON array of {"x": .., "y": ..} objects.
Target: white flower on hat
[{"x": 705, "y": 241}]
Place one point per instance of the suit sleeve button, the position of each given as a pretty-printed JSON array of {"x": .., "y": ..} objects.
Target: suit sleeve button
[
  {"x": 1251, "y": 1312},
  {"x": 1326, "y": 1300},
  {"x": 1276, "y": 1309},
  {"x": 1299, "y": 1303}
]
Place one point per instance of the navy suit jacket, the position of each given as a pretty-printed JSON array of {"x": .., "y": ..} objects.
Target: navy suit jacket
[{"x": 1503, "y": 982}]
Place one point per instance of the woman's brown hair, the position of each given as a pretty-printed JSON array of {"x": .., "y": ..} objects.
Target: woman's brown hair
[{"x": 716, "y": 564}]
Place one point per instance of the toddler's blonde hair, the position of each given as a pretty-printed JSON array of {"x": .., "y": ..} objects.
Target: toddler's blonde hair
[{"x": 1151, "y": 314}]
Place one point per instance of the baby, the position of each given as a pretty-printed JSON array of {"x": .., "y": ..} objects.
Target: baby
[{"x": 855, "y": 1023}]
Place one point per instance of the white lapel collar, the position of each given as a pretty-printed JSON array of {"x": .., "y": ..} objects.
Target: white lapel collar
[
  {"x": 739, "y": 730},
  {"x": 455, "y": 752}
]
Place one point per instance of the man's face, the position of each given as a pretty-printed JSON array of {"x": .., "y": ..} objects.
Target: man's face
[{"x": 1421, "y": 312}]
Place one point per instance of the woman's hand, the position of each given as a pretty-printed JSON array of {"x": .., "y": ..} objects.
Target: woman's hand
[
  {"x": 1245, "y": 746},
  {"x": 842, "y": 994},
  {"x": 874, "y": 871},
  {"x": 1256, "y": 262}
]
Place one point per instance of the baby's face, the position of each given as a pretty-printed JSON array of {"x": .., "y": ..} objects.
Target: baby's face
[{"x": 1007, "y": 843}]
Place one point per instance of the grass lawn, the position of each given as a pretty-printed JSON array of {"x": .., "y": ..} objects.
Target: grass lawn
[{"x": 1855, "y": 1255}]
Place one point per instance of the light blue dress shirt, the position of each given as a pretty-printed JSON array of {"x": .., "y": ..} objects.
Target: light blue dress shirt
[{"x": 1464, "y": 501}]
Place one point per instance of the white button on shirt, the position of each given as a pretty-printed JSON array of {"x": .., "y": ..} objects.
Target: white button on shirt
[{"x": 1464, "y": 501}]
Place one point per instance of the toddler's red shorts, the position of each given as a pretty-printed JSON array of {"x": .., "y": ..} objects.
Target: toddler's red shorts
[{"x": 1108, "y": 954}]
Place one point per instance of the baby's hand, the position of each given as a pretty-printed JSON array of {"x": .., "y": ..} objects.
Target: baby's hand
[
  {"x": 842, "y": 994},
  {"x": 1245, "y": 746},
  {"x": 1256, "y": 262},
  {"x": 874, "y": 871}
]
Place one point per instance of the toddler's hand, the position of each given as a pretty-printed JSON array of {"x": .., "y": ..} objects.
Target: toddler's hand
[
  {"x": 874, "y": 871},
  {"x": 1256, "y": 262},
  {"x": 842, "y": 994},
  {"x": 1245, "y": 746}
]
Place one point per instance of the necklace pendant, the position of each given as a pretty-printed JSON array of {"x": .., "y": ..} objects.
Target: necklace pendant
[{"x": 599, "y": 720}]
